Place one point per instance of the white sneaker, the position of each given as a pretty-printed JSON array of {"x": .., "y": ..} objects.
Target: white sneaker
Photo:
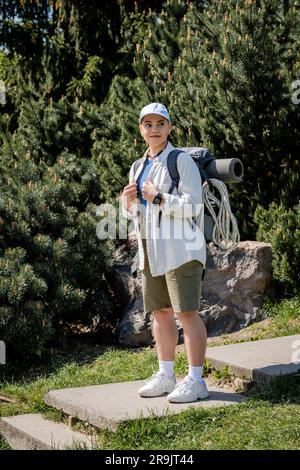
[
  {"x": 157, "y": 385},
  {"x": 188, "y": 390}
]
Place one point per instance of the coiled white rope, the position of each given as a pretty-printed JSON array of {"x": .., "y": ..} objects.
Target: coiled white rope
[{"x": 225, "y": 233}]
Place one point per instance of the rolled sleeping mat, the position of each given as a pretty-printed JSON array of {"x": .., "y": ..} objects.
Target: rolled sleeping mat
[{"x": 228, "y": 170}]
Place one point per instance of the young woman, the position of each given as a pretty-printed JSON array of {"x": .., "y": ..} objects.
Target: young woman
[{"x": 172, "y": 254}]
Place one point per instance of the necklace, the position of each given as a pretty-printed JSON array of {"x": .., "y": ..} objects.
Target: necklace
[{"x": 154, "y": 156}]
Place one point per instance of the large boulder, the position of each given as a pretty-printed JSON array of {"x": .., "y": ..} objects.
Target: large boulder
[
  {"x": 232, "y": 293},
  {"x": 234, "y": 285}
]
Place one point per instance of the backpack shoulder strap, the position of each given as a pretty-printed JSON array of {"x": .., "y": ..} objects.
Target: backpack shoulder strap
[{"x": 172, "y": 168}]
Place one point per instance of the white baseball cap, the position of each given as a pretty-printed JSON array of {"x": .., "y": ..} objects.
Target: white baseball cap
[{"x": 154, "y": 108}]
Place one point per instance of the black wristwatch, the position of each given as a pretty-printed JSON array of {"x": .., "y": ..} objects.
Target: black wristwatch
[{"x": 158, "y": 198}]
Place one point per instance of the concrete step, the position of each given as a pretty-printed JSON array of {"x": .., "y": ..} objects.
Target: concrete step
[
  {"x": 106, "y": 406},
  {"x": 259, "y": 361},
  {"x": 34, "y": 432}
]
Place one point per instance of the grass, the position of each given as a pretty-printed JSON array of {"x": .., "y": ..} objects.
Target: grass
[
  {"x": 3, "y": 444},
  {"x": 285, "y": 314},
  {"x": 247, "y": 426},
  {"x": 222, "y": 374},
  {"x": 269, "y": 419},
  {"x": 112, "y": 365}
]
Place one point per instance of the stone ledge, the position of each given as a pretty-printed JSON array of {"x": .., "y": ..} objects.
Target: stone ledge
[
  {"x": 34, "y": 432},
  {"x": 260, "y": 361},
  {"x": 108, "y": 405}
]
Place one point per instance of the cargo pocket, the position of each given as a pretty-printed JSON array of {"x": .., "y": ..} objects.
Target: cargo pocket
[{"x": 192, "y": 268}]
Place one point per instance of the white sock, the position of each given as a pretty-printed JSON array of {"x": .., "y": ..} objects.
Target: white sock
[
  {"x": 167, "y": 368},
  {"x": 196, "y": 373}
]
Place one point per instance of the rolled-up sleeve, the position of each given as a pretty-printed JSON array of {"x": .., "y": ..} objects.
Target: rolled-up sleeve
[
  {"x": 189, "y": 203},
  {"x": 132, "y": 213}
]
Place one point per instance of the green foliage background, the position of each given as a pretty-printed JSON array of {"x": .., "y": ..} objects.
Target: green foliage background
[{"x": 76, "y": 77}]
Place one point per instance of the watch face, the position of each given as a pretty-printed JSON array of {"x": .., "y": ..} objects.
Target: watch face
[{"x": 157, "y": 199}]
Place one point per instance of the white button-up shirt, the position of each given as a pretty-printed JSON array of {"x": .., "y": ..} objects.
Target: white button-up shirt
[{"x": 176, "y": 239}]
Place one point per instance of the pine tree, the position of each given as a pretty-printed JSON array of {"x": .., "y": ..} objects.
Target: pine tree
[
  {"x": 119, "y": 143},
  {"x": 225, "y": 71},
  {"x": 237, "y": 64},
  {"x": 69, "y": 46},
  {"x": 51, "y": 262}
]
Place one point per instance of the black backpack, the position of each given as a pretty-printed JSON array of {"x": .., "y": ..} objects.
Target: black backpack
[{"x": 201, "y": 157}]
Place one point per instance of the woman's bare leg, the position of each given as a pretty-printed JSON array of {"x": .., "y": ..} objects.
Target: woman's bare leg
[
  {"x": 165, "y": 333},
  {"x": 195, "y": 336}
]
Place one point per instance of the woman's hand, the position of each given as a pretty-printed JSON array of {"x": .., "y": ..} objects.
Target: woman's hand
[
  {"x": 148, "y": 190},
  {"x": 129, "y": 194}
]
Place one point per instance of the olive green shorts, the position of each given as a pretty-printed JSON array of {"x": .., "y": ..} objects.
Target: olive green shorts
[{"x": 179, "y": 288}]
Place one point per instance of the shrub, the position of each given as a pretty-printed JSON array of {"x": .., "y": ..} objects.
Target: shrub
[{"x": 281, "y": 227}]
